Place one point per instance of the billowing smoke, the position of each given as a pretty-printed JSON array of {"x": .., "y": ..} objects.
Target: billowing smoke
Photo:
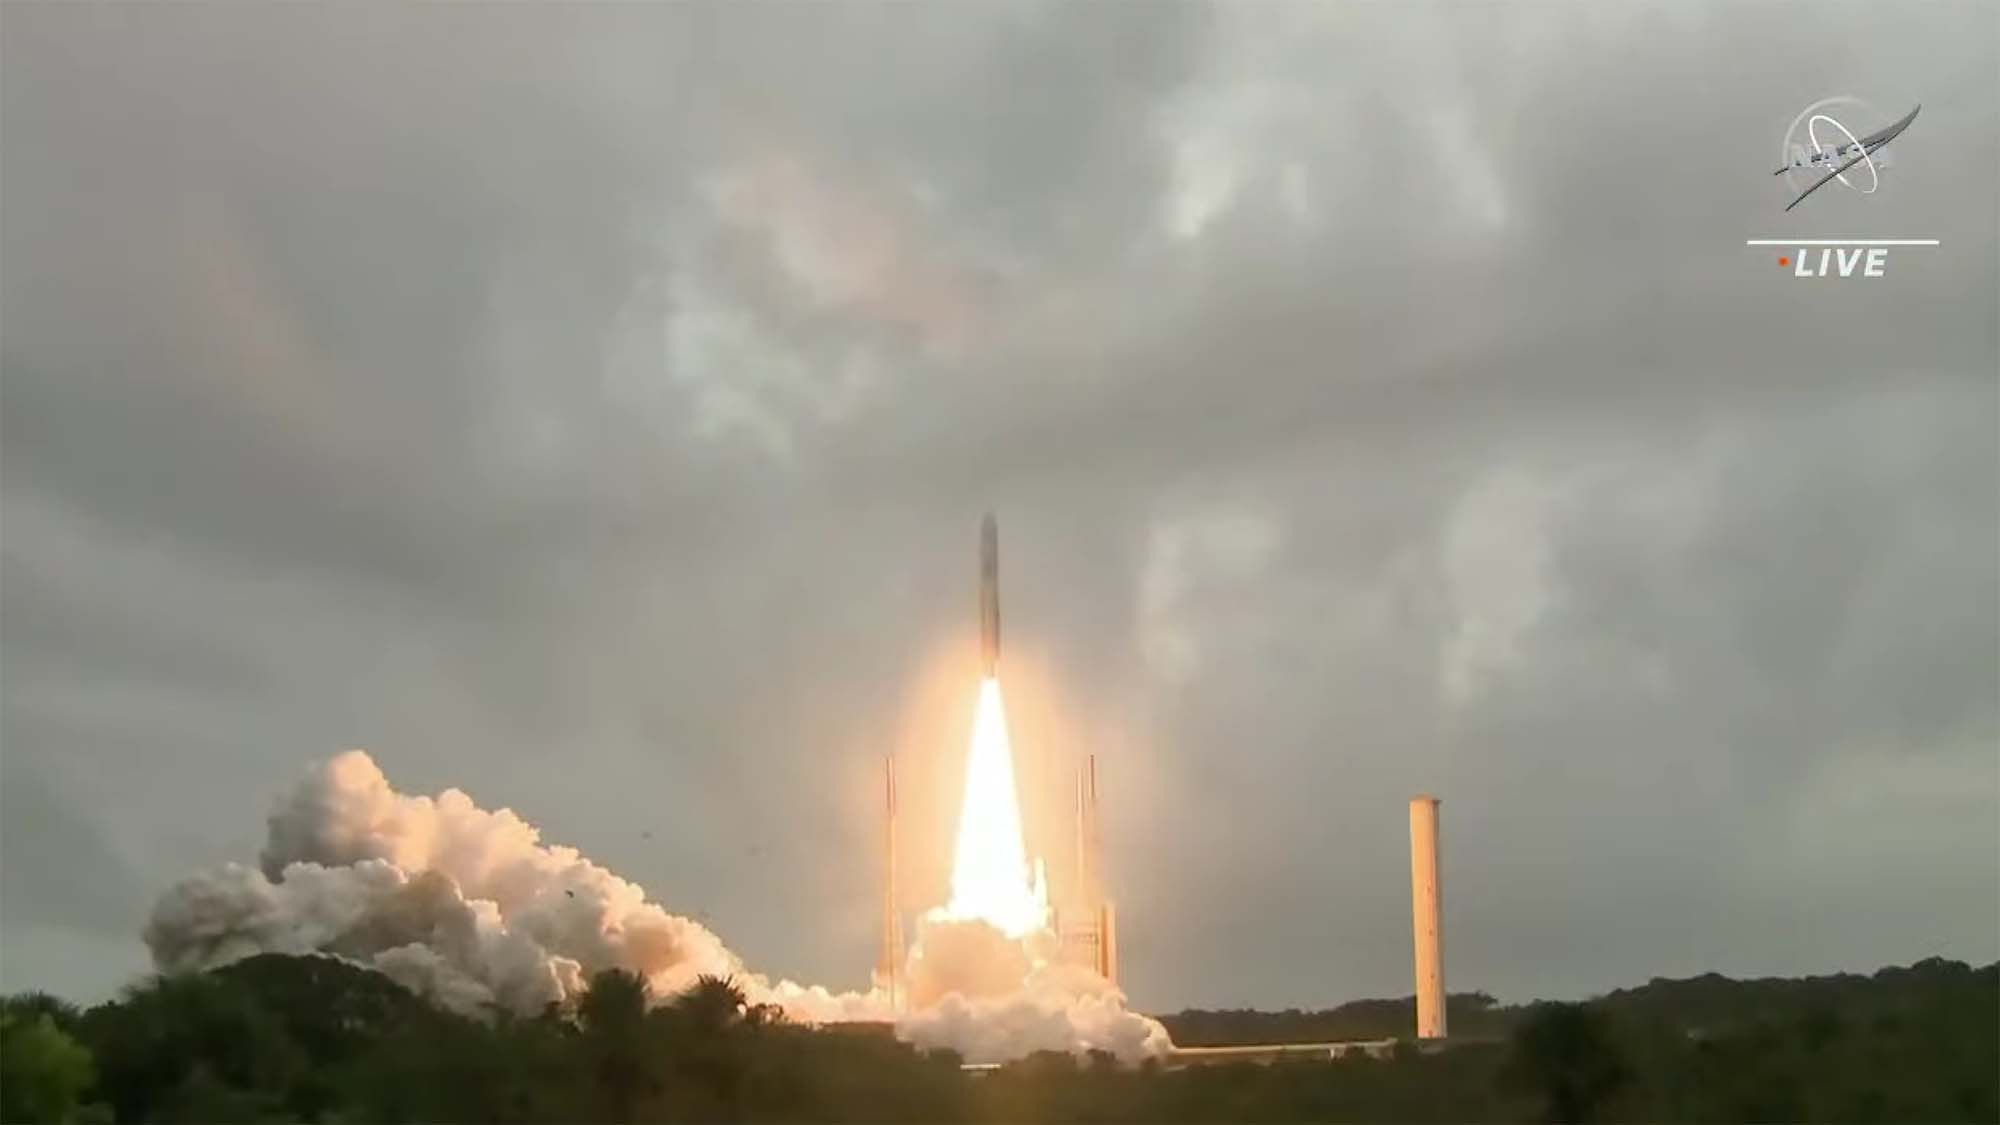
[
  {"x": 471, "y": 908},
  {"x": 459, "y": 903},
  {"x": 993, "y": 998},
  {"x": 1057, "y": 1008}
]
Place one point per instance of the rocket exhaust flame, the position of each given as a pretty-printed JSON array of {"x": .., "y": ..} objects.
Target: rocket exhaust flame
[{"x": 990, "y": 878}]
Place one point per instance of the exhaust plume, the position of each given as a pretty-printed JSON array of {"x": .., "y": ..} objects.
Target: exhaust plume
[
  {"x": 451, "y": 900},
  {"x": 471, "y": 908},
  {"x": 989, "y": 875}
]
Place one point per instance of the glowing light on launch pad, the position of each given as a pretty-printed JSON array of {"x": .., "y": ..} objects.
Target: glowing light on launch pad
[{"x": 990, "y": 878}]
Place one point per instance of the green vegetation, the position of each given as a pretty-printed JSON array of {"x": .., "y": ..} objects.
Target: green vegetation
[
  {"x": 1567, "y": 1055},
  {"x": 313, "y": 1039},
  {"x": 1470, "y": 1015},
  {"x": 43, "y": 1070}
]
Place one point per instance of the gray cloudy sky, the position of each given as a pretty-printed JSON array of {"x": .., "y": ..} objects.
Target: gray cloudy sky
[{"x": 593, "y": 407}]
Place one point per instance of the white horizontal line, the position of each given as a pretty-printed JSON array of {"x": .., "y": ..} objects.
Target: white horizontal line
[{"x": 1840, "y": 242}]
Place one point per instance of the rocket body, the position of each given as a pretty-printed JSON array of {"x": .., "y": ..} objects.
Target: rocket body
[{"x": 989, "y": 597}]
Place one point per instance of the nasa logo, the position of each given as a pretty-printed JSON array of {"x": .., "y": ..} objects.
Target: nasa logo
[
  {"x": 1824, "y": 150},
  {"x": 1817, "y": 150}
]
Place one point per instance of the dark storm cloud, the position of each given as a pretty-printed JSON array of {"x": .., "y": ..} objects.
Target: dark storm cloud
[{"x": 592, "y": 408}]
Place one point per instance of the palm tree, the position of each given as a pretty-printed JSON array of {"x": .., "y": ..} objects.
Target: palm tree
[
  {"x": 713, "y": 1005},
  {"x": 615, "y": 1002},
  {"x": 613, "y": 1016}
]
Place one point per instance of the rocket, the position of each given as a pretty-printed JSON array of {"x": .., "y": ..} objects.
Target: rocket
[{"x": 989, "y": 596}]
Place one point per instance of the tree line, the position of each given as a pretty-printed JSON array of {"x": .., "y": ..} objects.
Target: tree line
[{"x": 314, "y": 1039}]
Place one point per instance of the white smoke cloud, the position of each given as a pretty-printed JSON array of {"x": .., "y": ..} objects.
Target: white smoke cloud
[
  {"x": 991, "y": 999},
  {"x": 464, "y": 904},
  {"x": 469, "y": 907}
]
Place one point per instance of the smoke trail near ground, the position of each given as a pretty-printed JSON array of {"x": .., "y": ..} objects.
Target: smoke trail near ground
[
  {"x": 468, "y": 906},
  {"x": 1057, "y": 1008},
  {"x": 452, "y": 900},
  {"x": 993, "y": 998}
]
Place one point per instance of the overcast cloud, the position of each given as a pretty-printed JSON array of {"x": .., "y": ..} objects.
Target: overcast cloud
[{"x": 593, "y": 408}]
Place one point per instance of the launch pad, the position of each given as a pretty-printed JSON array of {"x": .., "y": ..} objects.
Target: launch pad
[{"x": 1078, "y": 928}]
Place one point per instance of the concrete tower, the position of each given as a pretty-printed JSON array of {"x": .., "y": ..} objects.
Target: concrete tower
[{"x": 1426, "y": 901}]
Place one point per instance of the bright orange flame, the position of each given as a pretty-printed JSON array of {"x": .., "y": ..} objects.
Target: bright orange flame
[{"x": 989, "y": 876}]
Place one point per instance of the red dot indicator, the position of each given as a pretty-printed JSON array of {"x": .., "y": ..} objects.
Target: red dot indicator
[{"x": 1784, "y": 261}]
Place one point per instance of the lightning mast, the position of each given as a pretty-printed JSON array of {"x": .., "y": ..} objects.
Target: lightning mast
[{"x": 889, "y": 973}]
